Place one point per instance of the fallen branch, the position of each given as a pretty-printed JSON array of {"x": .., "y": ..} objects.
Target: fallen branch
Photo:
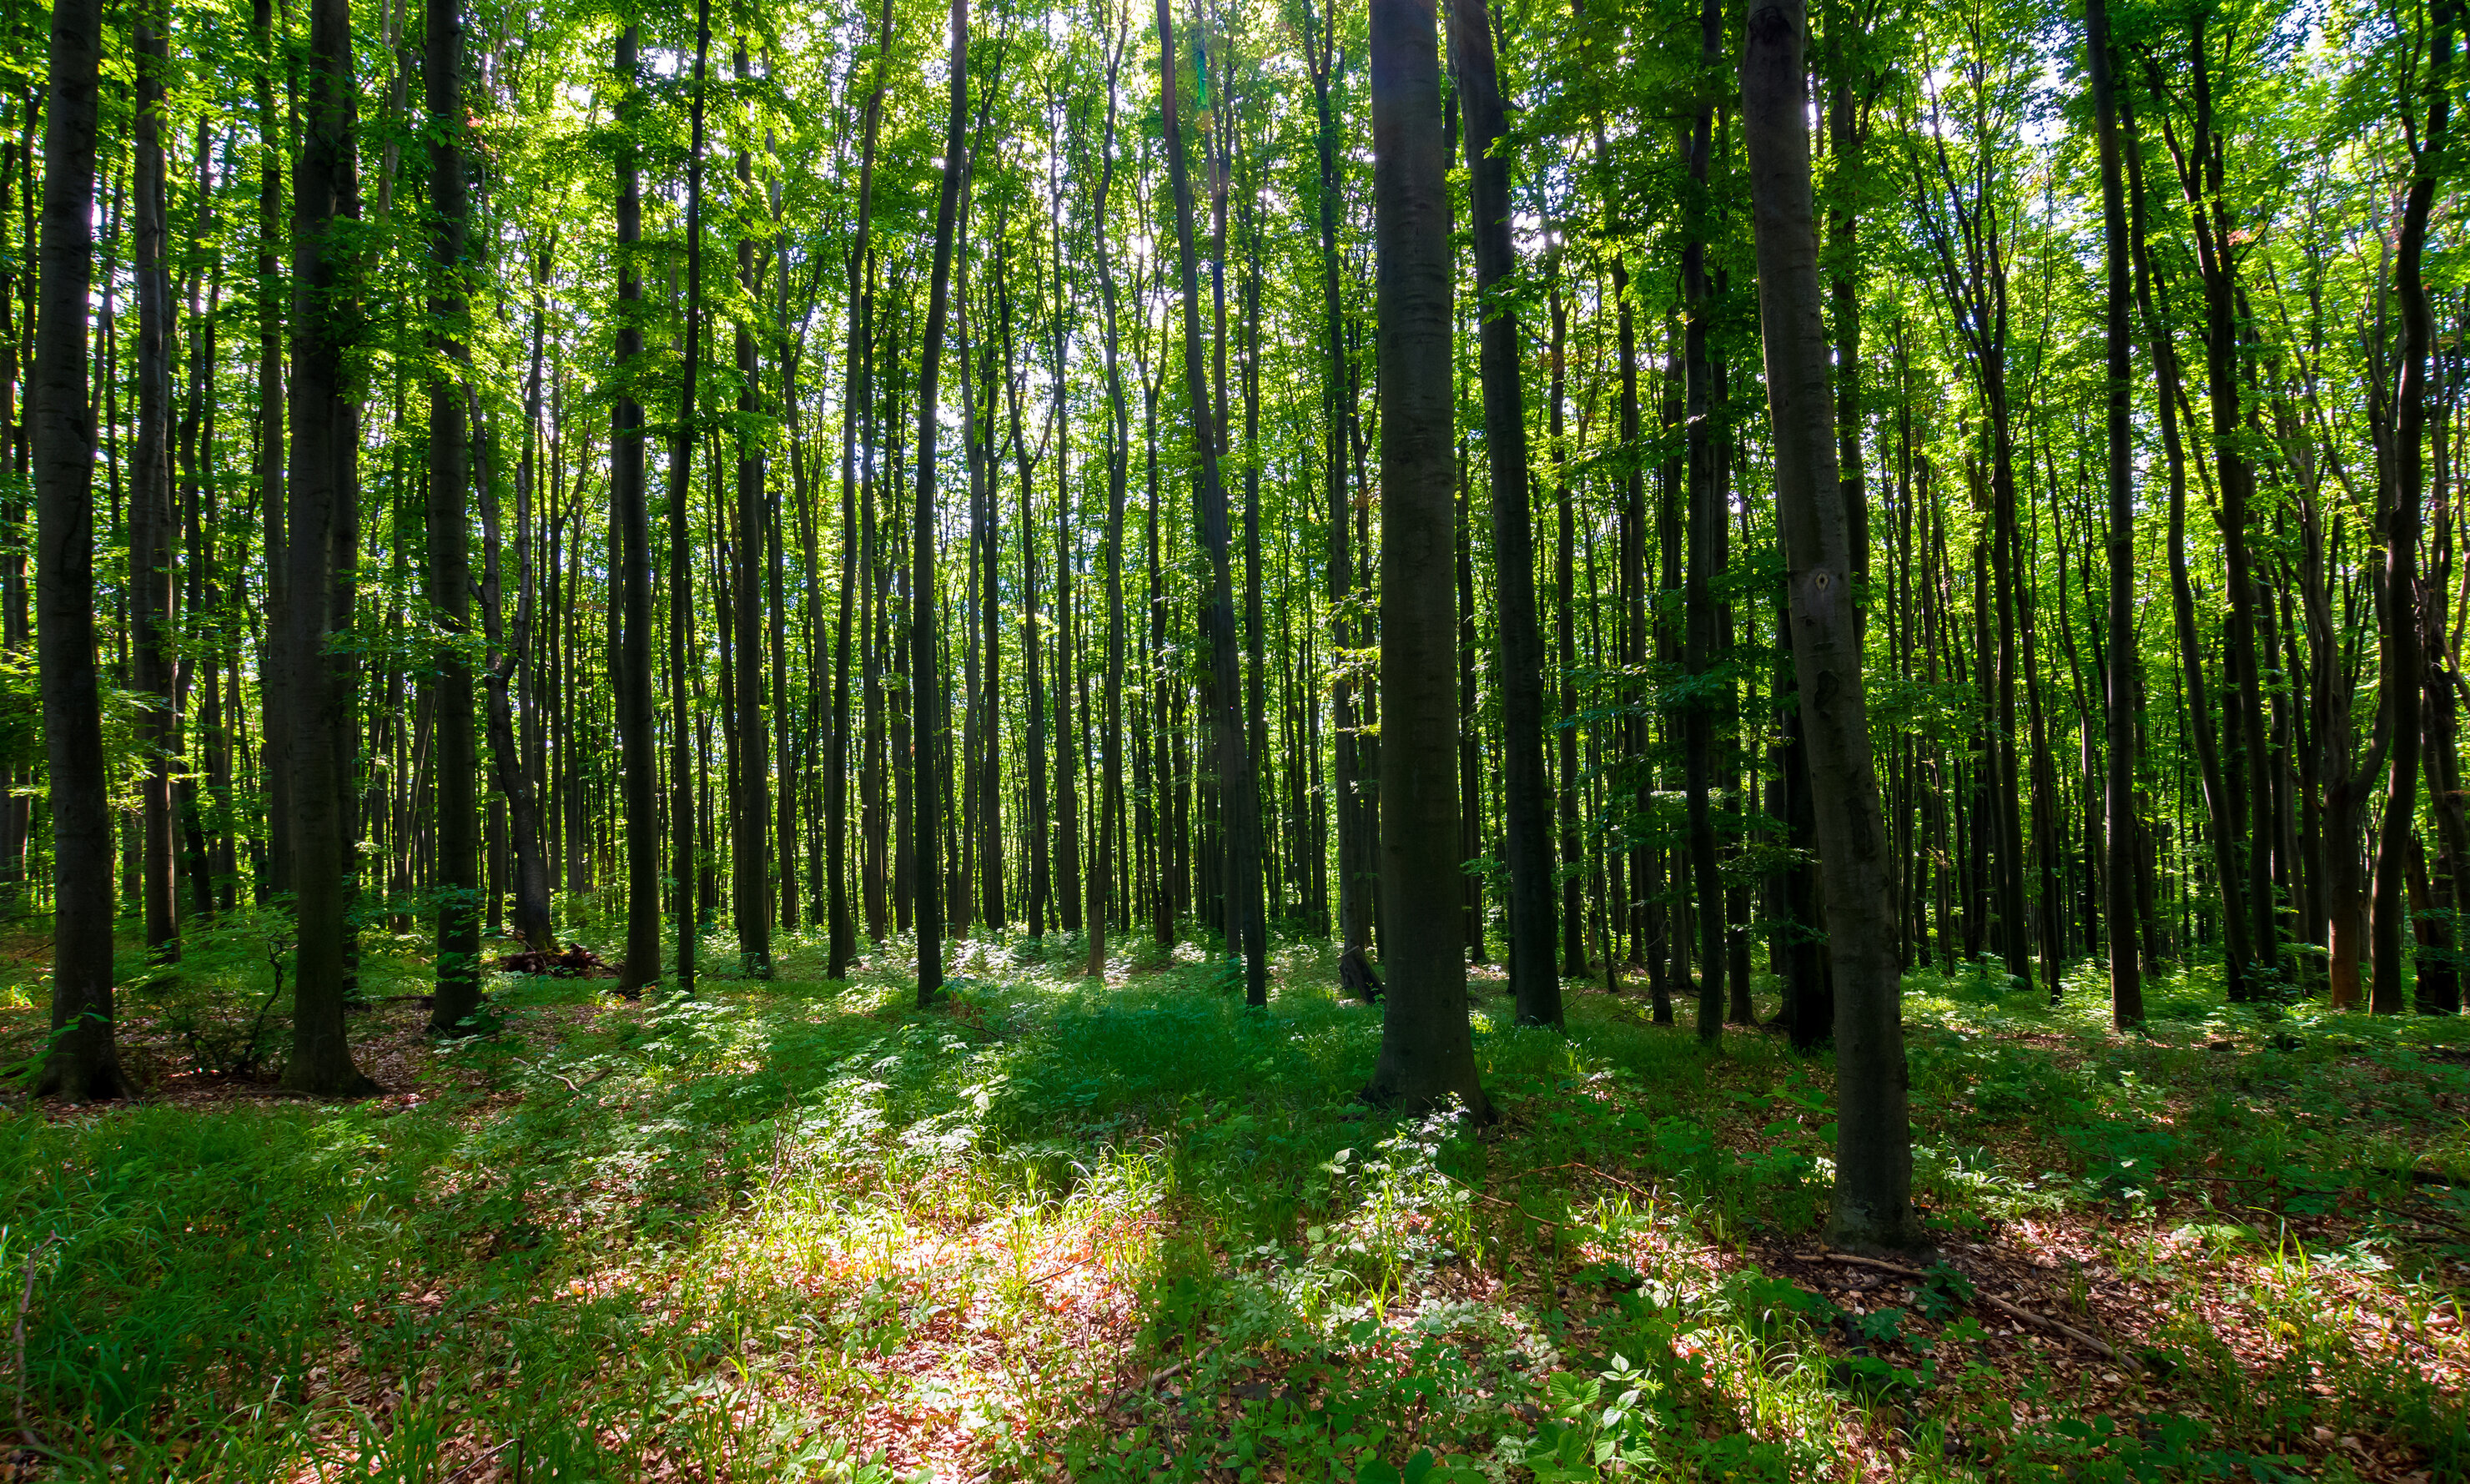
[
  {"x": 26, "y": 1298},
  {"x": 1167, "y": 1373},
  {"x": 571, "y": 1085},
  {"x": 516, "y": 1443},
  {"x": 2102, "y": 1347}
]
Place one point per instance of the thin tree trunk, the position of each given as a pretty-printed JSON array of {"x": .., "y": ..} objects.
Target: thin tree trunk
[
  {"x": 925, "y": 685},
  {"x": 841, "y": 930},
  {"x": 750, "y": 867},
  {"x": 1237, "y": 783},
  {"x": 1872, "y": 1204},
  {"x": 2126, "y": 977},
  {"x": 152, "y": 525},
  {"x": 631, "y": 536},
  {"x": 1103, "y": 903},
  {"x": 1706, "y": 517},
  {"x": 2402, "y": 659},
  {"x": 683, "y": 853},
  {"x": 1525, "y": 785}
]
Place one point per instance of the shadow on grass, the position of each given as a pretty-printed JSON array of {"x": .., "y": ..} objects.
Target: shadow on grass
[{"x": 1053, "y": 1227}]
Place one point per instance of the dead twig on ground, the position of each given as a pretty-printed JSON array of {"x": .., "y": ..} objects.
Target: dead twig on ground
[{"x": 2099, "y": 1347}]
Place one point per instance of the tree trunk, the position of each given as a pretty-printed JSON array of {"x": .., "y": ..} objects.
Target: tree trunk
[
  {"x": 1427, "y": 1055},
  {"x": 2400, "y": 652},
  {"x": 2126, "y": 977},
  {"x": 750, "y": 866},
  {"x": 840, "y": 929},
  {"x": 2219, "y": 809},
  {"x": 84, "y": 1060},
  {"x": 1237, "y": 785},
  {"x": 449, "y": 587},
  {"x": 1873, "y": 1206},
  {"x": 925, "y": 686},
  {"x": 1525, "y": 786},
  {"x": 1706, "y": 533},
  {"x": 152, "y": 524},
  {"x": 323, "y": 547},
  {"x": 684, "y": 855},
  {"x": 631, "y": 533},
  {"x": 273, "y": 668},
  {"x": 1102, "y": 860}
]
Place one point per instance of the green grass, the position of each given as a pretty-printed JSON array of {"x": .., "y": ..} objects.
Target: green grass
[{"x": 802, "y": 1230}]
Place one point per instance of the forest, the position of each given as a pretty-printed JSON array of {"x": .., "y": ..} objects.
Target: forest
[{"x": 1424, "y": 741}]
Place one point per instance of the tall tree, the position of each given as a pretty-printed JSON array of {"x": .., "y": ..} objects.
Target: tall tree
[
  {"x": 840, "y": 929},
  {"x": 324, "y": 550},
  {"x": 1239, "y": 797},
  {"x": 450, "y": 577},
  {"x": 83, "y": 1060},
  {"x": 2404, "y": 661},
  {"x": 1427, "y": 1054},
  {"x": 152, "y": 523},
  {"x": 1103, "y": 902},
  {"x": 2126, "y": 978},
  {"x": 1526, "y": 802},
  {"x": 1873, "y": 1206},
  {"x": 748, "y": 863},
  {"x": 684, "y": 884},
  {"x": 926, "y": 727},
  {"x": 631, "y": 542}
]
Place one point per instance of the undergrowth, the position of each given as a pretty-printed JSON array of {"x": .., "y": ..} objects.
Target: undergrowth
[{"x": 1126, "y": 1230}]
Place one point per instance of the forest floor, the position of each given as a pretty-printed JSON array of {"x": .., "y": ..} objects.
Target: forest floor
[{"x": 1051, "y": 1228}]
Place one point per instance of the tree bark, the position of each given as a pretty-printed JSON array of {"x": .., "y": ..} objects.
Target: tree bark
[
  {"x": 2401, "y": 655},
  {"x": 84, "y": 1060},
  {"x": 1236, "y": 784},
  {"x": 2126, "y": 976},
  {"x": 152, "y": 525},
  {"x": 1873, "y": 1205},
  {"x": 684, "y": 853},
  {"x": 841, "y": 930},
  {"x": 925, "y": 685},
  {"x": 457, "y": 887},
  {"x": 631, "y": 530},
  {"x": 323, "y": 545},
  {"x": 1427, "y": 1054},
  {"x": 1705, "y": 535},
  {"x": 750, "y": 866},
  {"x": 1527, "y": 794}
]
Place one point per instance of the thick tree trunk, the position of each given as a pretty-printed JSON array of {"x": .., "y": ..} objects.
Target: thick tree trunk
[
  {"x": 457, "y": 885},
  {"x": 1873, "y": 1205},
  {"x": 1427, "y": 1055},
  {"x": 323, "y": 547},
  {"x": 84, "y": 1060},
  {"x": 1527, "y": 792}
]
